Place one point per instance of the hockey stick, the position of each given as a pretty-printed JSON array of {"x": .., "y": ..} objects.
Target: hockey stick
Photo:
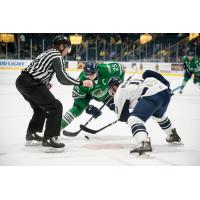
[
  {"x": 176, "y": 88},
  {"x": 73, "y": 134},
  {"x": 84, "y": 128}
]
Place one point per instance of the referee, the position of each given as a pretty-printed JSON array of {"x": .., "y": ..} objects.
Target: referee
[{"x": 34, "y": 84}]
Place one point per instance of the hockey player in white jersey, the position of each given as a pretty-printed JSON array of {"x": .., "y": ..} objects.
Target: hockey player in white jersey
[{"x": 145, "y": 98}]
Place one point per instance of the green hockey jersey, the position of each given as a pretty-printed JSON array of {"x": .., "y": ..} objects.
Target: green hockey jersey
[
  {"x": 192, "y": 66},
  {"x": 99, "y": 91},
  {"x": 82, "y": 95}
]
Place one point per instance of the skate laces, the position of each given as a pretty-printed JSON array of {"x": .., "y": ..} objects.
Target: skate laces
[
  {"x": 145, "y": 144},
  {"x": 33, "y": 135},
  {"x": 55, "y": 140}
]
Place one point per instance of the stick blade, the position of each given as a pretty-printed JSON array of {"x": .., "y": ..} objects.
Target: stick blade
[{"x": 71, "y": 134}]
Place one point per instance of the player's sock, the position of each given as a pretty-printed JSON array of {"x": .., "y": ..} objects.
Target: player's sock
[
  {"x": 182, "y": 86},
  {"x": 137, "y": 125},
  {"x": 166, "y": 126},
  {"x": 181, "y": 90},
  {"x": 140, "y": 134},
  {"x": 141, "y": 137},
  {"x": 66, "y": 120}
]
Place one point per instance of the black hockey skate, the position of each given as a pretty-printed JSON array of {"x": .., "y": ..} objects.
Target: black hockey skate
[
  {"x": 51, "y": 145},
  {"x": 174, "y": 137},
  {"x": 33, "y": 139},
  {"x": 145, "y": 147}
]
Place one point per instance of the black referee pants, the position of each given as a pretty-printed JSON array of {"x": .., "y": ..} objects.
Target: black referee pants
[{"x": 43, "y": 103}]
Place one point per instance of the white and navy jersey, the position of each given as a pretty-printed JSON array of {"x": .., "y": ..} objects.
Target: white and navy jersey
[
  {"x": 44, "y": 66},
  {"x": 135, "y": 89}
]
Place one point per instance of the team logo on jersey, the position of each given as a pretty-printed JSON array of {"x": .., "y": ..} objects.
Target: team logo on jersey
[{"x": 98, "y": 93}]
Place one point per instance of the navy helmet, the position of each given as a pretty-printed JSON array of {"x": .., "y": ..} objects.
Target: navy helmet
[
  {"x": 114, "y": 81},
  {"x": 61, "y": 40},
  {"x": 90, "y": 67}
]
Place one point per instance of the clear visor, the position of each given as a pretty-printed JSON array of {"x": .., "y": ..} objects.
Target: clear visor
[{"x": 112, "y": 91}]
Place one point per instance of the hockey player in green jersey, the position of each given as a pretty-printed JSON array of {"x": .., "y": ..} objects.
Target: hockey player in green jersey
[
  {"x": 100, "y": 74},
  {"x": 191, "y": 67}
]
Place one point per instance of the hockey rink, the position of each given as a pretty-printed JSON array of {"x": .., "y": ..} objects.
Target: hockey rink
[{"x": 108, "y": 147}]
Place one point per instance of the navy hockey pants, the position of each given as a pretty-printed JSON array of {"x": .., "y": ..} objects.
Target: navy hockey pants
[{"x": 155, "y": 105}]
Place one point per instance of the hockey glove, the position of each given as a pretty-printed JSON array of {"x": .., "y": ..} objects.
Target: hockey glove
[
  {"x": 94, "y": 111},
  {"x": 111, "y": 106}
]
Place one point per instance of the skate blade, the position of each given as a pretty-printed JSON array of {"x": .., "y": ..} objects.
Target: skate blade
[
  {"x": 145, "y": 155},
  {"x": 176, "y": 143},
  {"x": 52, "y": 150},
  {"x": 33, "y": 143}
]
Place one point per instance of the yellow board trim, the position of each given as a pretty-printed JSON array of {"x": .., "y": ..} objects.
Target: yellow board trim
[{"x": 76, "y": 70}]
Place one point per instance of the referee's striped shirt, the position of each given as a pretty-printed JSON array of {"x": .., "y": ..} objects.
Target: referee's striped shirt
[{"x": 44, "y": 66}]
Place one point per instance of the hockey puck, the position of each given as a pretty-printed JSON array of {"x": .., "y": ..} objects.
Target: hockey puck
[{"x": 87, "y": 137}]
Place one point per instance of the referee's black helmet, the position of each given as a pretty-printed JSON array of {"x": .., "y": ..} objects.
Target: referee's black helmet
[{"x": 61, "y": 40}]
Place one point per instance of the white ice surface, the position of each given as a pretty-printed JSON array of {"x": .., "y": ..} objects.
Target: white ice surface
[{"x": 109, "y": 147}]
